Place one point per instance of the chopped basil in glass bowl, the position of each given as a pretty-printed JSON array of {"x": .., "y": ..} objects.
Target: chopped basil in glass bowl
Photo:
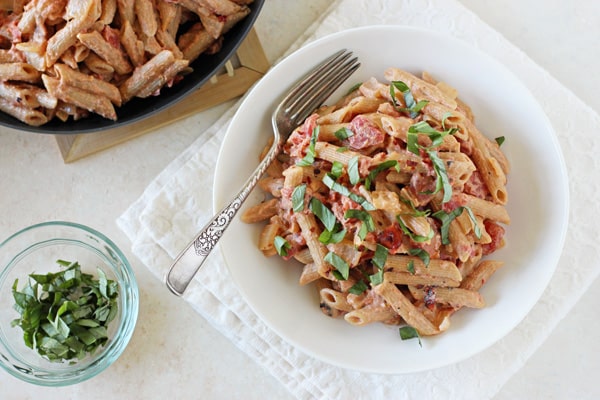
[{"x": 68, "y": 303}]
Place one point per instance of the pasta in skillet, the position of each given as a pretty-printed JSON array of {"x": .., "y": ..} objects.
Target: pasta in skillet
[
  {"x": 391, "y": 200},
  {"x": 68, "y": 58}
]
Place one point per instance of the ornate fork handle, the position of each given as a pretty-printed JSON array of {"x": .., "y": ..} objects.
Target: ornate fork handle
[{"x": 189, "y": 261}]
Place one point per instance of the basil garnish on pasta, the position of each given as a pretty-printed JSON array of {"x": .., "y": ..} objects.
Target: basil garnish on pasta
[
  {"x": 379, "y": 260},
  {"x": 422, "y": 254},
  {"x": 298, "y": 197},
  {"x": 447, "y": 217},
  {"x": 309, "y": 158},
  {"x": 342, "y": 269},
  {"x": 332, "y": 237},
  {"x": 368, "y": 225},
  {"x": 408, "y": 332},
  {"x": 442, "y": 181},
  {"x": 353, "y": 173},
  {"x": 323, "y": 213},
  {"x": 358, "y": 288},
  {"x": 412, "y": 107},
  {"x": 344, "y": 191},
  {"x": 437, "y": 137},
  {"x": 281, "y": 246},
  {"x": 377, "y": 170},
  {"x": 415, "y": 237},
  {"x": 343, "y": 133},
  {"x": 376, "y": 214}
]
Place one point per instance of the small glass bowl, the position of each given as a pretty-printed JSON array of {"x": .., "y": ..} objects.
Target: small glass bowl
[{"x": 36, "y": 249}]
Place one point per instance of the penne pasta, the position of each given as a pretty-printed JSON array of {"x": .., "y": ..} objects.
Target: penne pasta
[
  {"x": 136, "y": 46},
  {"x": 81, "y": 98},
  {"x": 95, "y": 42},
  {"x": 145, "y": 74},
  {"x": 335, "y": 299},
  {"x": 406, "y": 309},
  {"x": 371, "y": 314},
  {"x": 393, "y": 207},
  {"x": 27, "y": 115},
  {"x": 88, "y": 83}
]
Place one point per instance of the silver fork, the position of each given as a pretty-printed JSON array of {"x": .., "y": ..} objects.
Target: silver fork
[{"x": 307, "y": 95}]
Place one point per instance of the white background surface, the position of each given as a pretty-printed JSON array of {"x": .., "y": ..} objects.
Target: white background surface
[{"x": 174, "y": 352}]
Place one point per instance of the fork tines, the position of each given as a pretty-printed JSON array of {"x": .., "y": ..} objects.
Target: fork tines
[{"x": 319, "y": 84}]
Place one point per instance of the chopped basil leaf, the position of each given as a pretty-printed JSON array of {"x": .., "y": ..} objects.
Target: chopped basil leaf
[
  {"x": 353, "y": 170},
  {"x": 415, "y": 212},
  {"x": 358, "y": 288},
  {"x": 379, "y": 168},
  {"x": 343, "y": 133},
  {"x": 447, "y": 218},
  {"x": 362, "y": 231},
  {"x": 410, "y": 267},
  {"x": 309, "y": 158},
  {"x": 367, "y": 225},
  {"x": 64, "y": 315},
  {"x": 412, "y": 142},
  {"x": 342, "y": 149},
  {"x": 324, "y": 214},
  {"x": 327, "y": 236},
  {"x": 476, "y": 229},
  {"x": 436, "y": 136},
  {"x": 339, "y": 264},
  {"x": 446, "y": 115},
  {"x": 418, "y": 107},
  {"x": 362, "y": 216},
  {"x": 414, "y": 236},
  {"x": 377, "y": 277},
  {"x": 423, "y": 127},
  {"x": 500, "y": 140},
  {"x": 298, "y": 197},
  {"x": 337, "y": 169},
  {"x": 281, "y": 245},
  {"x": 344, "y": 191},
  {"x": 411, "y": 107},
  {"x": 422, "y": 254},
  {"x": 380, "y": 256},
  {"x": 379, "y": 259},
  {"x": 443, "y": 182},
  {"x": 408, "y": 332},
  {"x": 354, "y": 88}
]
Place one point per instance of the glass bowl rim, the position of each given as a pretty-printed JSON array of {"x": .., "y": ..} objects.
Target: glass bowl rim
[{"x": 129, "y": 294}]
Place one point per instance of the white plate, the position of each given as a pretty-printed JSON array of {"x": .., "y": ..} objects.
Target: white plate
[{"x": 537, "y": 189}]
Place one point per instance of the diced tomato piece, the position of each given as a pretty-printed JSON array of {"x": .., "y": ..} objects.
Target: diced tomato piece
[
  {"x": 111, "y": 35},
  {"x": 457, "y": 200},
  {"x": 366, "y": 133},
  {"x": 475, "y": 186},
  {"x": 299, "y": 140},
  {"x": 391, "y": 237},
  {"x": 496, "y": 232}
]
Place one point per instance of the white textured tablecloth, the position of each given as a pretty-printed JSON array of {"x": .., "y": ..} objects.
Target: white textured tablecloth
[{"x": 177, "y": 203}]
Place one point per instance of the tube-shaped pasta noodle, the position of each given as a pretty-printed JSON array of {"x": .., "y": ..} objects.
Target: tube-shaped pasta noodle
[
  {"x": 405, "y": 308},
  {"x": 27, "y": 115},
  {"x": 92, "y": 102},
  {"x": 335, "y": 299},
  {"x": 396, "y": 249},
  {"x": 146, "y": 73},
  {"x": 436, "y": 267},
  {"x": 370, "y": 314},
  {"x": 19, "y": 72},
  {"x": 84, "y": 13},
  {"x": 95, "y": 42}
]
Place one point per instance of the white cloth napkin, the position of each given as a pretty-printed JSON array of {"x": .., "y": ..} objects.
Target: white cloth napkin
[{"x": 177, "y": 204}]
